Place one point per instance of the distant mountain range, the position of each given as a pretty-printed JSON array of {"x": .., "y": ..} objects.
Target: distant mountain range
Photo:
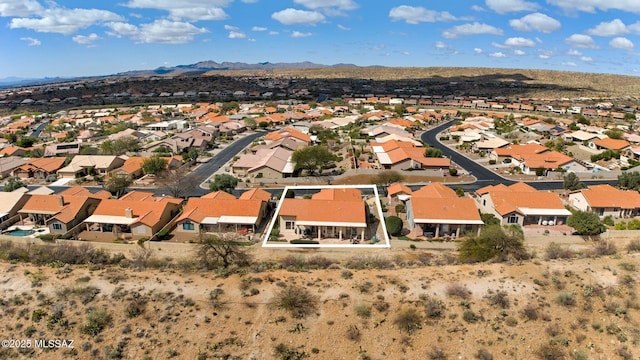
[{"x": 209, "y": 65}]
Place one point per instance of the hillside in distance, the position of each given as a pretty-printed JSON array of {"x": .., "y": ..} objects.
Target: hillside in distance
[{"x": 210, "y": 65}]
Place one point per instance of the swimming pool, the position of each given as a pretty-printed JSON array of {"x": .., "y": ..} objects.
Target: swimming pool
[{"x": 19, "y": 232}]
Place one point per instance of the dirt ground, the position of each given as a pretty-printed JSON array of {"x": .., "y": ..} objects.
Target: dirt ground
[{"x": 419, "y": 308}]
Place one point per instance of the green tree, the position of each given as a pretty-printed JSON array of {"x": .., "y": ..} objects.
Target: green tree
[
  {"x": 615, "y": 133},
  {"x": 117, "y": 185},
  {"x": 493, "y": 243},
  {"x": 120, "y": 146},
  {"x": 312, "y": 158},
  {"x": 400, "y": 109},
  {"x": 228, "y": 106},
  {"x": 146, "y": 116},
  {"x": 489, "y": 219},
  {"x": 460, "y": 192},
  {"x": 13, "y": 183},
  {"x": 26, "y": 141},
  {"x": 586, "y": 223},
  {"x": 432, "y": 152},
  {"x": 214, "y": 252},
  {"x": 224, "y": 182},
  {"x": 572, "y": 182},
  {"x": 250, "y": 123},
  {"x": 387, "y": 177},
  {"x": 629, "y": 180},
  {"x": 394, "y": 225},
  {"x": 154, "y": 165}
]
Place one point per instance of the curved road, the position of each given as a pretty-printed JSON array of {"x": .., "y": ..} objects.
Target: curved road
[{"x": 483, "y": 175}]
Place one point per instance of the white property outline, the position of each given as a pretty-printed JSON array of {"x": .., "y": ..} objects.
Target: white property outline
[{"x": 273, "y": 221}]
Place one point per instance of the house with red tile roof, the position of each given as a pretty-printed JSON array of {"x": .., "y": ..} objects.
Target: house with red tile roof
[
  {"x": 609, "y": 144},
  {"x": 39, "y": 168},
  {"x": 216, "y": 212},
  {"x": 268, "y": 163},
  {"x": 336, "y": 212},
  {"x": 62, "y": 212},
  {"x": 605, "y": 200},
  {"x": 532, "y": 156},
  {"x": 136, "y": 215},
  {"x": 12, "y": 202},
  {"x": 398, "y": 192},
  {"x": 288, "y": 132},
  {"x": 435, "y": 210},
  {"x": 12, "y": 150},
  {"x": 521, "y": 204},
  {"x": 400, "y": 155}
]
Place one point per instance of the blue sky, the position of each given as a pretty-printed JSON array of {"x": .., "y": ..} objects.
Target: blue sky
[{"x": 79, "y": 37}]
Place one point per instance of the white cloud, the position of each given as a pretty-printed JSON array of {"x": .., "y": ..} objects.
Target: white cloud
[
  {"x": 536, "y": 22},
  {"x": 519, "y": 52},
  {"x": 614, "y": 28},
  {"x": 329, "y": 7},
  {"x": 259, "y": 28},
  {"x": 198, "y": 14},
  {"x": 440, "y": 45},
  {"x": 505, "y": 6},
  {"x": 478, "y": 50},
  {"x": 231, "y": 28},
  {"x": 471, "y": 29},
  {"x": 86, "y": 40},
  {"x": 591, "y": 5},
  {"x": 237, "y": 35},
  {"x": 160, "y": 31},
  {"x": 519, "y": 42},
  {"x": 498, "y": 54},
  {"x": 64, "y": 21},
  {"x": 298, "y": 34},
  {"x": 544, "y": 56},
  {"x": 621, "y": 43},
  {"x": 191, "y": 10},
  {"x": 580, "y": 41},
  {"x": 31, "y": 41},
  {"x": 574, "y": 52},
  {"x": 477, "y": 8},
  {"x": 418, "y": 14},
  {"x": 569, "y": 63},
  {"x": 586, "y": 59},
  {"x": 297, "y": 17},
  {"x": 273, "y": 32},
  {"x": 342, "y": 27},
  {"x": 406, "y": 53},
  {"x": 20, "y": 7}
]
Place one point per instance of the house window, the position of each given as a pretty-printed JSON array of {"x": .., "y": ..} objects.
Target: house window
[
  {"x": 188, "y": 225},
  {"x": 512, "y": 219},
  {"x": 289, "y": 225},
  {"x": 601, "y": 212},
  {"x": 56, "y": 226}
]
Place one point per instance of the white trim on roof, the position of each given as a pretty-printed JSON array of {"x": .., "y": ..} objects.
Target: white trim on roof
[
  {"x": 329, "y": 223},
  {"x": 550, "y": 212},
  {"x": 111, "y": 219},
  {"x": 384, "y": 158},
  {"x": 449, "y": 221},
  {"x": 244, "y": 220},
  {"x": 210, "y": 220}
]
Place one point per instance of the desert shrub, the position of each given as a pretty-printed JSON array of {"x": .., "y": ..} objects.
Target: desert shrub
[
  {"x": 493, "y": 243},
  {"x": 135, "y": 307},
  {"x": 530, "y": 311},
  {"x": 408, "y": 320},
  {"x": 364, "y": 287},
  {"x": 436, "y": 353},
  {"x": 483, "y": 354},
  {"x": 293, "y": 262},
  {"x": 353, "y": 333},
  {"x": 458, "y": 290},
  {"x": 297, "y": 300},
  {"x": 304, "y": 241},
  {"x": 434, "y": 308},
  {"x": 566, "y": 298},
  {"x": 368, "y": 262},
  {"x": 215, "y": 298},
  {"x": 363, "y": 310},
  {"x": 608, "y": 220},
  {"x": 604, "y": 248},
  {"x": 346, "y": 274},
  {"x": 394, "y": 225},
  {"x": 97, "y": 320},
  {"x": 37, "y": 315},
  {"x": 319, "y": 262},
  {"x": 499, "y": 298},
  {"x": 628, "y": 266},
  {"x": 469, "y": 316},
  {"x": 633, "y": 246},
  {"x": 284, "y": 352},
  {"x": 556, "y": 251},
  {"x": 551, "y": 352},
  {"x": 381, "y": 306}
]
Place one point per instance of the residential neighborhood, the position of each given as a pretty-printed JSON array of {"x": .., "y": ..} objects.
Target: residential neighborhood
[{"x": 152, "y": 171}]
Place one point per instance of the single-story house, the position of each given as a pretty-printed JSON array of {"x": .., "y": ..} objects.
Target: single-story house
[
  {"x": 399, "y": 155},
  {"x": 435, "y": 210},
  {"x": 605, "y": 200},
  {"x": 522, "y": 204},
  {"x": 39, "y": 168},
  {"x": 83, "y": 165}
]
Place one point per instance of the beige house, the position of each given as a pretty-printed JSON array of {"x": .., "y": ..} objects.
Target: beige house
[
  {"x": 82, "y": 165},
  {"x": 265, "y": 163}
]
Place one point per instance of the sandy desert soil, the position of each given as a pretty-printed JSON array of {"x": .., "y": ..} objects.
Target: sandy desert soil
[{"x": 419, "y": 308}]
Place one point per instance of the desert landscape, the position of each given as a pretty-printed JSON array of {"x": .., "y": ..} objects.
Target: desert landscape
[{"x": 403, "y": 303}]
